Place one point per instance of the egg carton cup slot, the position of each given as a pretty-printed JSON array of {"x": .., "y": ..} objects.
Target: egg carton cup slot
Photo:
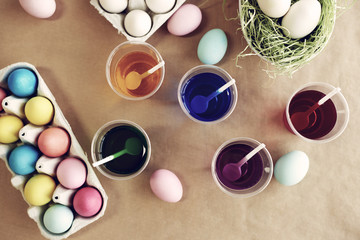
[
  {"x": 117, "y": 19},
  {"x": 29, "y": 134}
]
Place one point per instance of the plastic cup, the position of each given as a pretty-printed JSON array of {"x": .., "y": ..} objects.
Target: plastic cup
[
  {"x": 256, "y": 172},
  {"x": 111, "y": 138},
  {"x": 327, "y": 122},
  {"x": 139, "y": 57},
  {"x": 203, "y": 80}
]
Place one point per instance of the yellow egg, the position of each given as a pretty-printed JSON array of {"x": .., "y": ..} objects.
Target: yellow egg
[
  {"x": 9, "y": 128},
  {"x": 39, "y": 189},
  {"x": 39, "y": 110}
]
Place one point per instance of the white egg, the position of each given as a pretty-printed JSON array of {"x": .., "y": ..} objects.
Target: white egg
[
  {"x": 114, "y": 6},
  {"x": 274, "y": 8},
  {"x": 160, "y": 6},
  {"x": 291, "y": 168},
  {"x": 302, "y": 18},
  {"x": 137, "y": 23}
]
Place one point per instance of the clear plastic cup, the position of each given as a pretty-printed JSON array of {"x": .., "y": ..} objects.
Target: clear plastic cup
[
  {"x": 139, "y": 57},
  {"x": 256, "y": 172},
  {"x": 327, "y": 122},
  {"x": 204, "y": 80},
  {"x": 118, "y": 131}
]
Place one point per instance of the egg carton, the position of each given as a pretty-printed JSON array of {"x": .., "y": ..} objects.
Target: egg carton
[
  {"x": 117, "y": 19},
  {"x": 28, "y": 134}
]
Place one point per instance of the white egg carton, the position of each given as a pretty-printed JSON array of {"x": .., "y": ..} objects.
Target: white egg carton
[
  {"x": 29, "y": 134},
  {"x": 117, "y": 19}
]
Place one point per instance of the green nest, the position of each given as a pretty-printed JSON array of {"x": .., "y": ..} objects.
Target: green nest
[{"x": 265, "y": 37}]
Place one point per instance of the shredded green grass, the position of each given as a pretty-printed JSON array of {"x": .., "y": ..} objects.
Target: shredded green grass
[{"x": 265, "y": 38}]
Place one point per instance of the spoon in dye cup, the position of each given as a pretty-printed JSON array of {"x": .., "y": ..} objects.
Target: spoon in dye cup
[
  {"x": 232, "y": 171},
  {"x": 133, "y": 146},
  {"x": 133, "y": 79},
  {"x": 199, "y": 104},
  {"x": 301, "y": 120}
]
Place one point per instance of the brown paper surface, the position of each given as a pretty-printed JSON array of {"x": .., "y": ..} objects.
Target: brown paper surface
[{"x": 70, "y": 51}]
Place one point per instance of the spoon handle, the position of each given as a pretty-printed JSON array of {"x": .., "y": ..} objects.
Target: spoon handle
[
  {"x": 109, "y": 158},
  {"x": 152, "y": 70},
  {"x": 328, "y": 96},
  {"x": 221, "y": 89},
  {"x": 251, "y": 154}
]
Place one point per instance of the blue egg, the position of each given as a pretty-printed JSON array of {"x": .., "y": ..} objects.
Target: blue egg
[
  {"x": 22, "y": 159},
  {"x": 212, "y": 46},
  {"x": 58, "y": 218},
  {"x": 22, "y": 82}
]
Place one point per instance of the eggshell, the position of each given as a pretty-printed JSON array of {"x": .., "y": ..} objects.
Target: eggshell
[
  {"x": 87, "y": 201},
  {"x": 291, "y": 168},
  {"x": 274, "y": 8},
  {"x": 71, "y": 173},
  {"x": 166, "y": 185},
  {"x": 185, "y": 20},
  {"x": 39, "y": 110},
  {"x": 9, "y": 128},
  {"x": 39, "y": 189},
  {"x": 212, "y": 46},
  {"x": 39, "y": 8},
  {"x": 23, "y": 158},
  {"x": 3, "y": 95},
  {"x": 22, "y": 82},
  {"x": 137, "y": 23},
  {"x": 113, "y": 6},
  {"x": 160, "y": 6},
  {"x": 302, "y": 18},
  {"x": 54, "y": 142},
  {"x": 58, "y": 218}
]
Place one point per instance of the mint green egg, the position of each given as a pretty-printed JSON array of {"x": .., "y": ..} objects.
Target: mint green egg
[
  {"x": 291, "y": 168},
  {"x": 212, "y": 46},
  {"x": 58, "y": 218}
]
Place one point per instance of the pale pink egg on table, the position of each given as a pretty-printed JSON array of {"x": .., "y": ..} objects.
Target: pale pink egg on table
[
  {"x": 39, "y": 8},
  {"x": 185, "y": 20},
  {"x": 166, "y": 185}
]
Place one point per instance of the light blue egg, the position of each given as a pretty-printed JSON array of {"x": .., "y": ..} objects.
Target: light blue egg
[
  {"x": 212, "y": 46},
  {"x": 22, "y": 159},
  {"x": 58, "y": 218},
  {"x": 22, "y": 82},
  {"x": 291, "y": 168}
]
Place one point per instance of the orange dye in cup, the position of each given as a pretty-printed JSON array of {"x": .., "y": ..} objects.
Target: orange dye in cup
[{"x": 139, "y": 62}]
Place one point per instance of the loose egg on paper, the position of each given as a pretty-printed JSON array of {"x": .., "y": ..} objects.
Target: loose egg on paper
[
  {"x": 166, "y": 185},
  {"x": 39, "y": 8},
  {"x": 185, "y": 20}
]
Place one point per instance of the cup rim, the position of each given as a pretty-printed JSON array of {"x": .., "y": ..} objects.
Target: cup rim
[
  {"x": 231, "y": 109},
  {"x": 238, "y": 194},
  {"x": 321, "y": 140},
  {"x": 114, "y": 123},
  {"x": 108, "y": 74}
]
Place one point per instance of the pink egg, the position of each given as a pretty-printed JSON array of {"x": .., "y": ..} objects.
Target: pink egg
[
  {"x": 87, "y": 201},
  {"x": 54, "y": 142},
  {"x": 166, "y": 185},
  {"x": 2, "y": 96},
  {"x": 71, "y": 173},
  {"x": 185, "y": 20},
  {"x": 39, "y": 8}
]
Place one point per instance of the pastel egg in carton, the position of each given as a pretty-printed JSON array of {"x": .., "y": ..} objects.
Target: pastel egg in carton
[
  {"x": 45, "y": 165},
  {"x": 157, "y": 19}
]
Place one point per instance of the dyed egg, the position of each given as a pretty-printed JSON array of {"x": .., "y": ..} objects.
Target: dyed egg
[
  {"x": 274, "y": 8},
  {"x": 302, "y": 18},
  {"x": 3, "y": 95},
  {"x": 22, "y": 82},
  {"x": 39, "y": 110},
  {"x": 58, "y": 218},
  {"x": 166, "y": 185},
  {"x": 9, "y": 128},
  {"x": 160, "y": 6},
  {"x": 39, "y": 189},
  {"x": 71, "y": 173},
  {"x": 22, "y": 159},
  {"x": 137, "y": 23},
  {"x": 54, "y": 142},
  {"x": 185, "y": 20},
  {"x": 39, "y": 8},
  {"x": 114, "y": 6},
  {"x": 291, "y": 168},
  {"x": 212, "y": 46},
  {"x": 87, "y": 202}
]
